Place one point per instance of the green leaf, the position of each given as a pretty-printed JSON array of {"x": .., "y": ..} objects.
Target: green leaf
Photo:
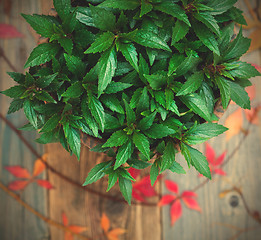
[
  {"x": 74, "y": 141},
  {"x": 188, "y": 64},
  {"x": 18, "y": 77},
  {"x": 97, "y": 172},
  {"x": 74, "y": 91},
  {"x": 62, "y": 7},
  {"x": 147, "y": 122},
  {"x": 66, "y": 43},
  {"x": 192, "y": 84},
  {"x": 157, "y": 131},
  {"x": 45, "y": 138},
  {"x": 239, "y": 95},
  {"x": 157, "y": 80},
  {"x": 174, "y": 10},
  {"x": 144, "y": 101},
  {"x": 177, "y": 168},
  {"x": 107, "y": 67},
  {"x": 88, "y": 117},
  {"x": 15, "y": 105},
  {"x": 142, "y": 143},
  {"x": 103, "y": 19},
  {"x": 204, "y": 132},
  {"x": 51, "y": 123},
  {"x": 14, "y": 92},
  {"x": 112, "y": 103},
  {"x": 45, "y": 96},
  {"x": 241, "y": 70},
  {"x": 112, "y": 179},
  {"x": 168, "y": 157},
  {"x": 102, "y": 43},
  {"x": 121, "y": 4},
  {"x": 30, "y": 113},
  {"x": 41, "y": 54},
  {"x": 130, "y": 53},
  {"x": 84, "y": 15},
  {"x": 43, "y": 25},
  {"x": 209, "y": 21},
  {"x": 224, "y": 88},
  {"x": 115, "y": 87},
  {"x": 123, "y": 155},
  {"x": 179, "y": 31},
  {"x": 197, "y": 104},
  {"x": 199, "y": 161},
  {"x": 116, "y": 139},
  {"x": 126, "y": 188},
  {"x": 206, "y": 36},
  {"x": 150, "y": 39},
  {"x": 237, "y": 48},
  {"x": 45, "y": 81},
  {"x": 175, "y": 62},
  {"x": 97, "y": 112},
  {"x": 124, "y": 173},
  {"x": 146, "y": 7},
  {"x": 220, "y": 7},
  {"x": 154, "y": 173},
  {"x": 130, "y": 114},
  {"x": 74, "y": 64}
]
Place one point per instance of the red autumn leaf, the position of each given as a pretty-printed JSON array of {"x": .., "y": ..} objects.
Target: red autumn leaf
[
  {"x": 191, "y": 203},
  {"x": 105, "y": 223},
  {"x": 171, "y": 186},
  {"x": 8, "y": 31},
  {"x": 39, "y": 167},
  {"x": 44, "y": 183},
  {"x": 166, "y": 199},
  {"x": 68, "y": 236},
  {"x": 115, "y": 233},
  {"x": 65, "y": 219},
  {"x": 134, "y": 172},
  {"x": 189, "y": 194},
  {"x": 77, "y": 229},
  {"x": 220, "y": 171},
  {"x": 137, "y": 196},
  {"x": 18, "y": 185},
  {"x": 144, "y": 187},
  {"x": 175, "y": 211},
  {"x": 234, "y": 123},
  {"x": 18, "y": 171}
]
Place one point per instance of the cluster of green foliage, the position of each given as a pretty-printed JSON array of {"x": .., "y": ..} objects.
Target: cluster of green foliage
[{"x": 143, "y": 76}]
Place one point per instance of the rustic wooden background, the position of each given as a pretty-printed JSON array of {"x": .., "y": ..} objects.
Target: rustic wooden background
[{"x": 220, "y": 219}]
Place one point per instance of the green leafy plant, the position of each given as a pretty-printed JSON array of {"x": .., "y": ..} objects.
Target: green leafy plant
[{"x": 142, "y": 76}]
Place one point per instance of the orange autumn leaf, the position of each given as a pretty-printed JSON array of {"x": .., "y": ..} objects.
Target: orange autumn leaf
[
  {"x": 105, "y": 223},
  {"x": 112, "y": 234},
  {"x": 234, "y": 123},
  {"x": 73, "y": 228},
  {"x": 39, "y": 166},
  {"x": 115, "y": 233}
]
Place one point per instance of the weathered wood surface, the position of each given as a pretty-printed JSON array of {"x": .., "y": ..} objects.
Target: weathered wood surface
[
  {"x": 220, "y": 219},
  {"x": 16, "y": 223}
]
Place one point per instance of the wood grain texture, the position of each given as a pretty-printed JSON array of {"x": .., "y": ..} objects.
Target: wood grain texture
[{"x": 15, "y": 222}]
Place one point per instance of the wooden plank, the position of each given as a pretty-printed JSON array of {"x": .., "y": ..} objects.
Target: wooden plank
[
  {"x": 223, "y": 218},
  {"x": 16, "y": 223}
]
